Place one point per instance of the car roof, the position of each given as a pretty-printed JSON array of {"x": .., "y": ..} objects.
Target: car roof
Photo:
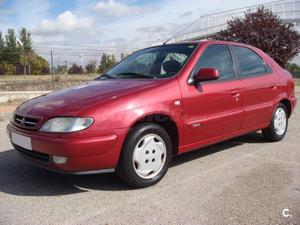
[{"x": 210, "y": 42}]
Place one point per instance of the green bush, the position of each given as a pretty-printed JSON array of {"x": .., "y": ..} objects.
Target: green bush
[
  {"x": 294, "y": 69},
  {"x": 10, "y": 70}
]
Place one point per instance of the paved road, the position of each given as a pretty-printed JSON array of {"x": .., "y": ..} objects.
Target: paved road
[{"x": 241, "y": 181}]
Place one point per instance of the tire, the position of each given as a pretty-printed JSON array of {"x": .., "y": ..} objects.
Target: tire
[
  {"x": 146, "y": 156},
  {"x": 278, "y": 125}
]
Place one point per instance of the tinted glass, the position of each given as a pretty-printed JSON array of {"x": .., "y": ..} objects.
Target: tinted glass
[
  {"x": 217, "y": 57},
  {"x": 250, "y": 63},
  {"x": 157, "y": 62}
]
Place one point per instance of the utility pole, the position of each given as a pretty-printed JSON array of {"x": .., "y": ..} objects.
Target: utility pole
[
  {"x": 81, "y": 59},
  {"x": 29, "y": 69},
  {"x": 52, "y": 71},
  {"x": 29, "y": 65},
  {"x": 66, "y": 63}
]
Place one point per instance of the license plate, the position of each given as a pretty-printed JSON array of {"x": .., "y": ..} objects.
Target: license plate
[{"x": 20, "y": 140}]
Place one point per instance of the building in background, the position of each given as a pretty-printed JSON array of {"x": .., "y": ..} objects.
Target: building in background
[{"x": 207, "y": 25}]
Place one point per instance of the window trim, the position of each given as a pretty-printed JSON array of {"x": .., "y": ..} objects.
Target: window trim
[
  {"x": 268, "y": 68},
  {"x": 235, "y": 69}
]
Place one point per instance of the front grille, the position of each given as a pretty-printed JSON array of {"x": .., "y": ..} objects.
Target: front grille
[
  {"x": 42, "y": 157},
  {"x": 25, "y": 121}
]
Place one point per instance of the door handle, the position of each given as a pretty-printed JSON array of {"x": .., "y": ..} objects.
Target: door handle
[
  {"x": 235, "y": 94},
  {"x": 274, "y": 87}
]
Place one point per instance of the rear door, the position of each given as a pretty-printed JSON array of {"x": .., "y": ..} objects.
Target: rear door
[
  {"x": 213, "y": 108},
  {"x": 259, "y": 85}
]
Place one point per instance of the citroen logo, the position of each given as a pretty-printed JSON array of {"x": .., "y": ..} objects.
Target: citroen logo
[{"x": 22, "y": 123}]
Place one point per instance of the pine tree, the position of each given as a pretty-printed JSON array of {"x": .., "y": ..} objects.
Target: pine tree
[
  {"x": 25, "y": 40},
  {"x": 11, "y": 48},
  {"x": 107, "y": 61},
  {"x": 26, "y": 52},
  {"x": 2, "y": 67},
  {"x": 2, "y": 46}
]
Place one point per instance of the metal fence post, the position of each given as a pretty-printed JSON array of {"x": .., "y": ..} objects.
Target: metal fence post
[{"x": 52, "y": 71}]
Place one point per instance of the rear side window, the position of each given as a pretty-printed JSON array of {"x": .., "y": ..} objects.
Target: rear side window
[
  {"x": 217, "y": 57},
  {"x": 250, "y": 63}
]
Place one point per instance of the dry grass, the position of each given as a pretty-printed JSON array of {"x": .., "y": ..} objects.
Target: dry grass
[
  {"x": 64, "y": 77},
  {"x": 42, "y": 82}
]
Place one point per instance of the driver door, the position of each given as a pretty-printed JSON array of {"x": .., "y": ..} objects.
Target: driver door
[{"x": 213, "y": 109}]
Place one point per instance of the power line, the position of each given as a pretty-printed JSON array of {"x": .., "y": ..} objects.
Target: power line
[
  {"x": 92, "y": 53},
  {"x": 66, "y": 44},
  {"x": 87, "y": 49},
  {"x": 49, "y": 46}
]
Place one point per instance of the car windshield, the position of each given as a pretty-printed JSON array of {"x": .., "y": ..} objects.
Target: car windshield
[{"x": 156, "y": 62}]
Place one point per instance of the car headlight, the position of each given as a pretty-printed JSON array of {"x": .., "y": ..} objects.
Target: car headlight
[{"x": 66, "y": 124}]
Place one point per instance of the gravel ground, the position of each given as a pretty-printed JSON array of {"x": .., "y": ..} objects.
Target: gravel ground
[{"x": 241, "y": 181}]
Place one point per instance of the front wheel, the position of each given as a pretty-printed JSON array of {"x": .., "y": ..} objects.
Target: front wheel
[
  {"x": 146, "y": 155},
  {"x": 278, "y": 126}
]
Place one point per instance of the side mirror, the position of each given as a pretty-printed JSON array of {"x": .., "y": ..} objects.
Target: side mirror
[{"x": 206, "y": 74}]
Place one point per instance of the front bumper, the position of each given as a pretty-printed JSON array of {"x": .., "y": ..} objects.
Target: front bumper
[{"x": 86, "y": 152}]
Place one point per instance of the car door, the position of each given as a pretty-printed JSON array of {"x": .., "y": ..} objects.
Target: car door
[
  {"x": 213, "y": 108},
  {"x": 259, "y": 85}
]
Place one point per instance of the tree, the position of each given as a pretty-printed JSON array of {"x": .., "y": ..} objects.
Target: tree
[
  {"x": 75, "y": 69},
  {"x": 107, "y": 61},
  {"x": 2, "y": 67},
  {"x": 91, "y": 66},
  {"x": 11, "y": 50},
  {"x": 294, "y": 69},
  {"x": 17, "y": 55},
  {"x": 25, "y": 40},
  {"x": 124, "y": 55},
  {"x": 40, "y": 66},
  {"x": 25, "y": 46},
  {"x": 266, "y": 31},
  {"x": 6, "y": 68},
  {"x": 60, "y": 69},
  {"x": 1, "y": 42},
  {"x": 2, "y": 46}
]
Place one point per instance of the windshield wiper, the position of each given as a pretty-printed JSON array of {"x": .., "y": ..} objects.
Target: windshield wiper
[
  {"x": 105, "y": 76},
  {"x": 133, "y": 75}
]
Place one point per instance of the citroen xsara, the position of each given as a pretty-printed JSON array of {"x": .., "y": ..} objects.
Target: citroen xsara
[{"x": 157, "y": 103}]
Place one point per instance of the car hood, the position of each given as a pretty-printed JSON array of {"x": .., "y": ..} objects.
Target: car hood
[{"x": 70, "y": 101}]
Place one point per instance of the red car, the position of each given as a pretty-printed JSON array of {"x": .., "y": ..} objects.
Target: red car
[{"x": 157, "y": 103}]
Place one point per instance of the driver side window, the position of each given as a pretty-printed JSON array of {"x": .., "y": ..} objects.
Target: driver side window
[{"x": 217, "y": 57}]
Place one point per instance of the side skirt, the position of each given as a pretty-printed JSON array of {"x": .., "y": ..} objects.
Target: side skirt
[{"x": 214, "y": 140}]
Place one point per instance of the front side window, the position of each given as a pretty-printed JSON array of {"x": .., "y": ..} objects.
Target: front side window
[
  {"x": 157, "y": 62},
  {"x": 250, "y": 63},
  {"x": 179, "y": 57},
  {"x": 217, "y": 57}
]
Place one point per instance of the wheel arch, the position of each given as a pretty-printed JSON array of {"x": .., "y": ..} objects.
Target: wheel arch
[
  {"x": 166, "y": 122},
  {"x": 288, "y": 105}
]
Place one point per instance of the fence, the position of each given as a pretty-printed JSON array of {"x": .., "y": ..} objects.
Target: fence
[{"x": 210, "y": 24}]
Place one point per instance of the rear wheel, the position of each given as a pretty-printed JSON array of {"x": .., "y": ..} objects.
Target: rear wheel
[
  {"x": 278, "y": 126},
  {"x": 146, "y": 155}
]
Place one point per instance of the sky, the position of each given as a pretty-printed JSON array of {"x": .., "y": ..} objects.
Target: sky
[{"x": 77, "y": 29}]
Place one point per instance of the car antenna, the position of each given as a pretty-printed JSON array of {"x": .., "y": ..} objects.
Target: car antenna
[{"x": 184, "y": 29}]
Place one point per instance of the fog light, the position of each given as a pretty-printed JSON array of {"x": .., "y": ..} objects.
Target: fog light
[{"x": 59, "y": 159}]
